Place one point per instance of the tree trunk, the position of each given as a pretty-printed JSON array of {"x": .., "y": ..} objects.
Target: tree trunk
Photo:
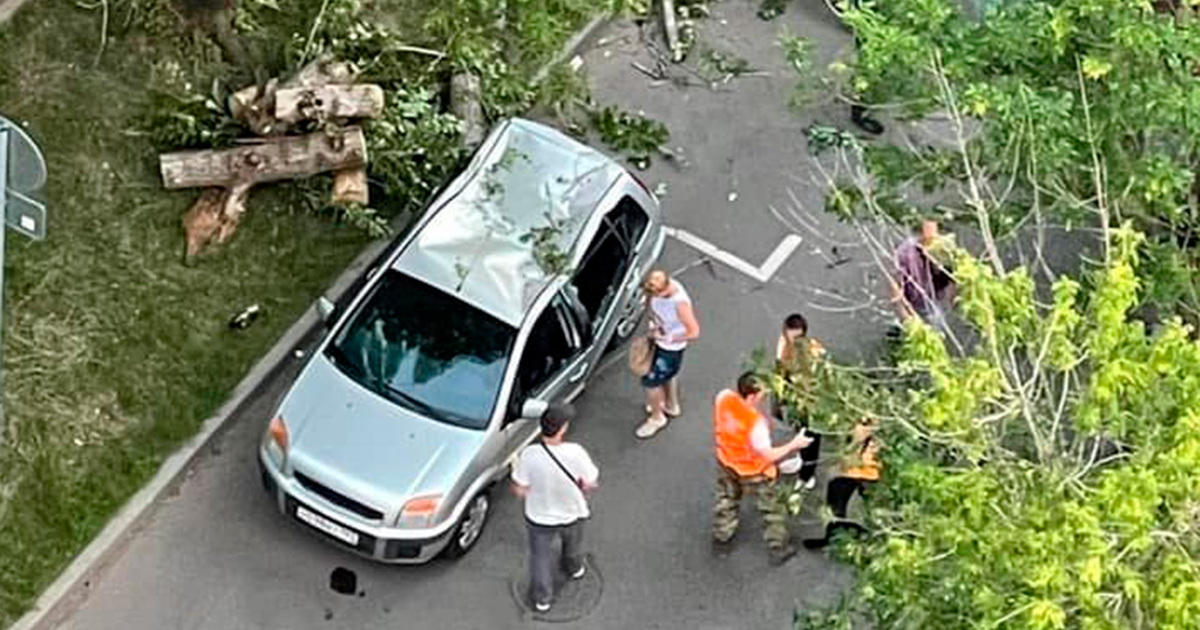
[
  {"x": 271, "y": 160},
  {"x": 466, "y": 102}
]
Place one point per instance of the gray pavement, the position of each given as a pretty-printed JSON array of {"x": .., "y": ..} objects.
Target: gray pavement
[{"x": 216, "y": 555}]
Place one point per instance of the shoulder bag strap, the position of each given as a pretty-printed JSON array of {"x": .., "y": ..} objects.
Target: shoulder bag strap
[{"x": 575, "y": 480}]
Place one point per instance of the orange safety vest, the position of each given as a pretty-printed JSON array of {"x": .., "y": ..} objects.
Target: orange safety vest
[
  {"x": 867, "y": 465},
  {"x": 733, "y": 420}
]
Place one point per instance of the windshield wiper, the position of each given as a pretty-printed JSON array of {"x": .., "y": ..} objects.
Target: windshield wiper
[{"x": 411, "y": 401}]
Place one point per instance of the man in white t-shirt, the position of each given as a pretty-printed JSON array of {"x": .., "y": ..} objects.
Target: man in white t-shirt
[{"x": 554, "y": 478}]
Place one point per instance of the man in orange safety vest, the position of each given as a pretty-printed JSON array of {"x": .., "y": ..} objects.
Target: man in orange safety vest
[{"x": 747, "y": 461}]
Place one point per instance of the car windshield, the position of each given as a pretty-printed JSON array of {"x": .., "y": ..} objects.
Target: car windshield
[{"x": 426, "y": 350}]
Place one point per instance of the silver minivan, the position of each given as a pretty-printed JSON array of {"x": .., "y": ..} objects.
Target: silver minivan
[{"x": 503, "y": 298}]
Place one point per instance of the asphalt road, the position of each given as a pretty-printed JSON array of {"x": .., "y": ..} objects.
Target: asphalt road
[{"x": 216, "y": 555}]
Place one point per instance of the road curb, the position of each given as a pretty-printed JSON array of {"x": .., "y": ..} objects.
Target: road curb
[
  {"x": 53, "y": 605},
  {"x": 571, "y": 47},
  {"x": 72, "y": 586}
]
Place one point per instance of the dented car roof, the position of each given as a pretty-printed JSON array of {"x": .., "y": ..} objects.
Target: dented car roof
[{"x": 527, "y": 178}]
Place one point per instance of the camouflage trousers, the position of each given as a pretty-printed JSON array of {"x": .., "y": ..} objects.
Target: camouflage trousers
[{"x": 730, "y": 488}]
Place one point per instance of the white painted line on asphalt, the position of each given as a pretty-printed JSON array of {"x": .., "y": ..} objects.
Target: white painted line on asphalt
[{"x": 761, "y": 273}]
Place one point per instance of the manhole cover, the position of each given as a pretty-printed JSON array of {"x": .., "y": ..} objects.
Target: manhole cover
[{"x": 573, "y": 599}]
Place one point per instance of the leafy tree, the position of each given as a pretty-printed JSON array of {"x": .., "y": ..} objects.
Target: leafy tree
[
  {"x": 1059, "y": 95},
  {"x": 1047, "y": 478},
  {"x": 1042, "y": 469}
]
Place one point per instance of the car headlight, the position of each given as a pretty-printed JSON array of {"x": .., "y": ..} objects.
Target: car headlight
[
  {"x": 419, "y": 511},
  {"x": 276, "y": 441}
]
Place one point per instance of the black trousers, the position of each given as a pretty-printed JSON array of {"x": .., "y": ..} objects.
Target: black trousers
[
  {"x": 810, "y": 455},
  {"x": 841, "y": 490},
  {"x": 838, "y": 495}
]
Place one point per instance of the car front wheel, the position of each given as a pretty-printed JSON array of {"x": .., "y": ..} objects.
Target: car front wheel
[{"x": 470, "y": 526}]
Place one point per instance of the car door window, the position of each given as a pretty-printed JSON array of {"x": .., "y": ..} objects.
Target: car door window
[
  {"x": 551, "y": 345},
  {"x": 580, "y": 320},
  {"x": 606, "y": 261}
]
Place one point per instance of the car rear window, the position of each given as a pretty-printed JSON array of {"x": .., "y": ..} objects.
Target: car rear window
[{"x": 426, "y": 350}]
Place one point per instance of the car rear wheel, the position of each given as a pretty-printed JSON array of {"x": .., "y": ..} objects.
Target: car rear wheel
[{"x": 470, "y": 526}]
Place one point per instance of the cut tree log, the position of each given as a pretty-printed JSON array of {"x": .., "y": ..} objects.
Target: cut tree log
[
  {"x": 350, "y": 186},
  {"x": 328, "y": 102},
  {"x": 466, "y": 102},
  {"x": 214, "y": 217},
  {"x": 272, "y": 160},
  {"x": 256, "y": 107}
]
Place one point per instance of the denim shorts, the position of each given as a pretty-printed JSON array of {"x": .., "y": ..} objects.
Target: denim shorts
[{"x": 664, "y": 368}]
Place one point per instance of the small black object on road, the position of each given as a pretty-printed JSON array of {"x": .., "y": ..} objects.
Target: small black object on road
[{"x": 343, "y": 581}]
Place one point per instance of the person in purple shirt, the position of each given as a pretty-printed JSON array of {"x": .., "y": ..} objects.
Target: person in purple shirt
[{"x": 921, "y": 285}]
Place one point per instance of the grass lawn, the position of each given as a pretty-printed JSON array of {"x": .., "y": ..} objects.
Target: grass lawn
[{"x": 114, "y": 350}]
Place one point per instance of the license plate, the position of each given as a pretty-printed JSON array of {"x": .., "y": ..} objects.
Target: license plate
[{"x": 329, "y": 527}]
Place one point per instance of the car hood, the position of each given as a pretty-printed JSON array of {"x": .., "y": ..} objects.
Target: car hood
[{"x": 365, "y": 446}]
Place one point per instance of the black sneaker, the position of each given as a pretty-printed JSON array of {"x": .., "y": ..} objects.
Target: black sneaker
[
  {"x": 869, "y": 125},
  {"x": 721, "y": 548},
  {"x": 858, "y": 115},
  {"x": 781, "y": 555},
  {"x": 816, "y": 543}
]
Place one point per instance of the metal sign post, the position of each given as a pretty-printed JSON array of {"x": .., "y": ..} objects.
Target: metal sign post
[
  {"x": 22, "y": 180},
  {"x": 3, "y": 212}
]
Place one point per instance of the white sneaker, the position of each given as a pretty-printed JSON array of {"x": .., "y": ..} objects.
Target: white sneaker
[
  {"x": 650, "y": 427},
  {"x": 542, "y": 606},
  {"x": 579, "y": 572},
  {"x": 811, "y": 483}
]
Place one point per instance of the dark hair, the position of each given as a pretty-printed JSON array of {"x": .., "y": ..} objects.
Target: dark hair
[
  {"x": 748, "y": 384},
  {"x": 555, "y": 417},
  {"x": 796, "y": 321}
]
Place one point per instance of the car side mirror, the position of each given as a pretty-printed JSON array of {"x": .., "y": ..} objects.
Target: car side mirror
[
  {"x": 534, "y": 409},
  {"x": 326, "y": 309}
]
